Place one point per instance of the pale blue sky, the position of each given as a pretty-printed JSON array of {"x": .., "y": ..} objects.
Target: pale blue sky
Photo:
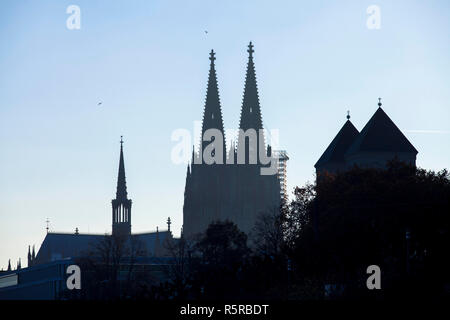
[{"x": 148, "y": 62}]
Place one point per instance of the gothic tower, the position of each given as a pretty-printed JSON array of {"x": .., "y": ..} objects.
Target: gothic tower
[
  {"x": 222, "y": 189},
  {"x": 257, "y": 193},
  {"x": 205, "y": 181},
  {"x": 121, "y": 205}
]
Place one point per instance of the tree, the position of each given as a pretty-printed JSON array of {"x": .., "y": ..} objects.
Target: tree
[
  {"x": 109, "y": 268},
  {"x": 223, "y": 251},
  {"x": 360, "y": 217},
  {"x": 180, "y": 270}
]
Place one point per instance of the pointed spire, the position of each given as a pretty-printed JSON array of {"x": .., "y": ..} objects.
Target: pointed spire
[
  {"x": 121, "y": 192},
  {"x": 251, "y": 110},
  {"x": 212, "y": 114},
  {"x": 33, "y": 255},
  {"x": 9, "y": 265}
]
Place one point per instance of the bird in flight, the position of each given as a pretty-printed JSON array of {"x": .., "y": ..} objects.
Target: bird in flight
[
  {"x": 206, "y": 31},
  {"x": 100, "y": 103}
]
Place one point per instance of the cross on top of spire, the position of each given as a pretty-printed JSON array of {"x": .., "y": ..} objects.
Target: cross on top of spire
[
  {"x": 169, "y": 222},
  {"x": 212, "y": 56},
  {"x": 250, "y": 49},
  {"x": 379, "y": 102}
]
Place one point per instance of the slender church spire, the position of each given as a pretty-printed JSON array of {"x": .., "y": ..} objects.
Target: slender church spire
[
  {"x": 251, "y": 110},
  {"x": 121, "y": 192},
  {"x": 212, "y": 115},
  {"x": 121, "y": 206},
  {"x": 251, "y": 114}
]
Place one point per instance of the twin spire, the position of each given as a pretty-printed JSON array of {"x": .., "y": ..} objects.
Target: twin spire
[
  {"x": 212, "y": 115},
  {"x": 250, "y": 111}
]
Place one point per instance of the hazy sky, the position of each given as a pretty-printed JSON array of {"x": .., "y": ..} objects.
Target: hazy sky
[{"x": 147, "y": 61}]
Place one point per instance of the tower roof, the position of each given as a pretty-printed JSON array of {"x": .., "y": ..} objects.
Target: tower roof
[
  {"x": 340, "y": 144},
  {"x": 380, "y": 134},
  {"x": 121, "y": 193},
  {"x": 251, "y": 110}
]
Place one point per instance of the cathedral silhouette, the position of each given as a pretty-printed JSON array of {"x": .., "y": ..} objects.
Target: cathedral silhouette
[{"x": 232, "y": 191}]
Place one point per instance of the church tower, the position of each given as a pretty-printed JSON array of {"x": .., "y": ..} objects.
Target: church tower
[
  {"x": 250, "y": 112},
  {"x": 229, "y": 191},
  {"x": 121, "y": 205},
  {"x": 205, "y": 179},
  {"x": 257, "y": 194}
]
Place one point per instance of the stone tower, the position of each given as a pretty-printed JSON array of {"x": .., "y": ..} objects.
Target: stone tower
[{"x": 121, "y": 205}]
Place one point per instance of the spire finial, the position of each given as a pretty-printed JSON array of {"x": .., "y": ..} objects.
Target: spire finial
[
  {"x": 250, "y": 49},
  {"x": 348, "y": 114},
  {"x": 168, "y": 224},
  {"x": 212, "y": 56},
  {"x": 47, "y": 221},
  {"x": 121, "y": 140},
  {"x": 379, "y": 102}
]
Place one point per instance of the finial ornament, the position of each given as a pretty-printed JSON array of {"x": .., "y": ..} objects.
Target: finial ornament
[
  {"x": 250, "y": 49},
  {"x": 168, "y": 223},
  {"x": 47, "y": 221},
  {"x": 379, "y": 102},
  {"x": 212, "y": 56},
  {"x": 348, "y": 114},
  {"x": 121, "y": 140}
]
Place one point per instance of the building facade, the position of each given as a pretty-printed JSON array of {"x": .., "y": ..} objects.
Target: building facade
[{"x": 232, "y": 187}]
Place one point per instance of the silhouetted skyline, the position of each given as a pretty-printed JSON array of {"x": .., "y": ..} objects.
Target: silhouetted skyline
[{"x": 145, "y": 63}]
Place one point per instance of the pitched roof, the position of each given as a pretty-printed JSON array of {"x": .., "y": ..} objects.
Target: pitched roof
[
  {"x": 337, "y": 148},
  {"x": 57, "y": 246},
  {"x": 380, "y": 134}
]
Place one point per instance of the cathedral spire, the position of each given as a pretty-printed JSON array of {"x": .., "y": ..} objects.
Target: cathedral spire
[
  {"x": 251, "y": 110},
  {"x": 212, "y": 115},
  {"x": 251, "y": 113}
]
